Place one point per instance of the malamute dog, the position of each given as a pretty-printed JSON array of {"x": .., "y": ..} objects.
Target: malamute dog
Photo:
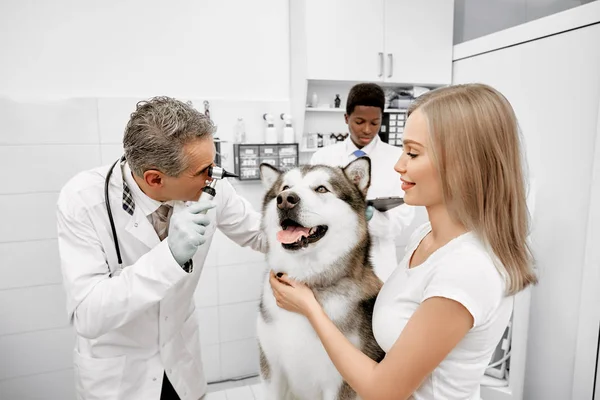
[{"x": 314, "y": 217}]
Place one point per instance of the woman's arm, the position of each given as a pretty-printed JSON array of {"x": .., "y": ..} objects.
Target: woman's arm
[{"x": 433, "y": 331}]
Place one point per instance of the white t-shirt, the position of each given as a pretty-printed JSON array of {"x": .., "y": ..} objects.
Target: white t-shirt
[{"x": 463, "y": 271}]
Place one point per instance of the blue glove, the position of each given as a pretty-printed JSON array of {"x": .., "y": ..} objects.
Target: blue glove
[
  {"x": 186, "y": 231},
  {"x": 369, "y": 212}
]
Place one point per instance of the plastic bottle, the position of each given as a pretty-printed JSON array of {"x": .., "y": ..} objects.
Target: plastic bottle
[
  {"x": 240, "y": 131},
  {"x": 288, "y": 130},
  {"x": 315, "y": 100},
  {"x": 270, "y": 131}
]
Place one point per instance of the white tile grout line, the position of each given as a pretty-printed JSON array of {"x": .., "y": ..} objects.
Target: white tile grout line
[
  {"x": 52, "y": 144},
  {"x": 35, "y": 374},
  {"x": 249, "y": 386},
  {"x": 55, "y": 328},
  {"x": 97, "y": 124},
  {"x": 30, "y": 240},
  {"x": 218, "y": 326},
  {"x": 7, "y": 289},
  {"x": 32, "y": 192}
]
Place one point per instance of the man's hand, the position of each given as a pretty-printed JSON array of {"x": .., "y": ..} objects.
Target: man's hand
[{"x": 186, "y": 231}]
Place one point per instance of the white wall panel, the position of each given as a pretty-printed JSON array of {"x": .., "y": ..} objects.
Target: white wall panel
[{"x": 554, "y": 86}]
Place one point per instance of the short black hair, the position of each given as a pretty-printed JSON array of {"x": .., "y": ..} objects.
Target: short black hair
[{"x": 365, "y": 94}]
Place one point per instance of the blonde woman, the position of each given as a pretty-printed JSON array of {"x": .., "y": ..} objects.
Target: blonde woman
[{"x": 442, "y": 312}]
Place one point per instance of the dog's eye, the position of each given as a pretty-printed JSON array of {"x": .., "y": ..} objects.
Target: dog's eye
[
  {"x": 321, "y": 189},
  {"x": 286, "y": 187}
]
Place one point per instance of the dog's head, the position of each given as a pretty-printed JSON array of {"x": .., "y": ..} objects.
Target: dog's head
[{"x": 316, "y": 208}]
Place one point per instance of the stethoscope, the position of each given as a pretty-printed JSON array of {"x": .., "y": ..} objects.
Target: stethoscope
[
  {"x": 208, "y": 193},
  {"x": 109, "y": 211}
]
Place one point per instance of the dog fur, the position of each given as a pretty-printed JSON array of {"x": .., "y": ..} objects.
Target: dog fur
[{"x": 337, "y": 267}]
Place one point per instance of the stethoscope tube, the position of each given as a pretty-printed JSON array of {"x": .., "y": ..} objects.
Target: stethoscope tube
[
  {"x": 109, "y": 212},
  {"x": 208, "y": 191}
]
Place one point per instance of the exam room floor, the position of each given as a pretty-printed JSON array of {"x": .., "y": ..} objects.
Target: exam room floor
[{"x": 248, "y": 389}]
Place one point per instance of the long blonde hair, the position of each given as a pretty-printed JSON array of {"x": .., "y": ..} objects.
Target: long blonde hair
[{"x": 477, "y": 152}]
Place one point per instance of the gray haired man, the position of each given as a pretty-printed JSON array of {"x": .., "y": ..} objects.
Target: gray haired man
[{"x": 133, "y": 308}]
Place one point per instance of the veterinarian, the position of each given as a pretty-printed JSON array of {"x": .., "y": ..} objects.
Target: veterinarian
[
  {"x": 364, "y": 112},
  {"x": 130, "y": 292},
  {"x": 441, "y": 314}
]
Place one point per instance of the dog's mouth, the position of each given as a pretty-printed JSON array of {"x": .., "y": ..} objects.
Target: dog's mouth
[{"x": 294, "y": 236}]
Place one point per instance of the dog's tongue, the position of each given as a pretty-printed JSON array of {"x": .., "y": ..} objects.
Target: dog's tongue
[{"x": 292, "y": 234}]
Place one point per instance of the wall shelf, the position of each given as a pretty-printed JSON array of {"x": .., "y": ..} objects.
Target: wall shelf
[
  {"x": 325, "y": 109},
  {"x": 341, "y": 110}
]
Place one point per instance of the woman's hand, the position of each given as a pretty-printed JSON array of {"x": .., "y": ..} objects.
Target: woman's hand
[{"x": 293, "y": 296}]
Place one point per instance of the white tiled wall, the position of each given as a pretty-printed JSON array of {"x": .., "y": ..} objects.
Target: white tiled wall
[
  {"x": 228, "y": 329},
  {"x": 247, "y": 389},
  {"x": 227, "y": 300},
  {"x": 43, "y": 144},
  {"x": 39, "y": 387}
]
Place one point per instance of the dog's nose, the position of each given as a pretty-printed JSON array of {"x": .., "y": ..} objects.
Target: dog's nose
[{"x": 287, "y": 200}]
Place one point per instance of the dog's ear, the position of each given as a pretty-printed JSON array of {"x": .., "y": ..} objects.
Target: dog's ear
[
  {"x": 268, "y": 175},
  {"x": 359, "y": 173}
]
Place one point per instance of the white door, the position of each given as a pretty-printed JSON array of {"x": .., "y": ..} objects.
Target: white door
[
  {"x": 418, "y": 41},
  {"x": 344, "y": 39}
]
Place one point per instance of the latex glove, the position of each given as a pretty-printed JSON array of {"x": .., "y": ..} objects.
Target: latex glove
[
  {"x": 369, "y": 212},
  {"x": 186, "y": 231}
]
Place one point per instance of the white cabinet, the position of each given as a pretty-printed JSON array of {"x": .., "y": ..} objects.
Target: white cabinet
[
  {"x": 561, "y": 331},
  {"x": 393, "y": 41},
  {"x": 418, "y": 41},
  {"x": 344, "y": 39}
]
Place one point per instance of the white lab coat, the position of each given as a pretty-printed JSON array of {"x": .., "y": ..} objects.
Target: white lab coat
[
  {"x": 133, "y": 325},
  {"x": 384, "y": 227}
]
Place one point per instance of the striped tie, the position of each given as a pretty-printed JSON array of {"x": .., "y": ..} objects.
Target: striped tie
[{"x": 160, "y": 220}]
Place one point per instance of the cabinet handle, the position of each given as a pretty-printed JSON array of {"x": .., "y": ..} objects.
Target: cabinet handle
[
  {"x": 391, "y": 58},
  {"x": 380, "y": 65}
]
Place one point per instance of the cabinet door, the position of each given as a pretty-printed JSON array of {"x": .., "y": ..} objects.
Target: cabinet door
[
  {"x": 418, "y": 41},
  {"x": 344, "y": 39}
]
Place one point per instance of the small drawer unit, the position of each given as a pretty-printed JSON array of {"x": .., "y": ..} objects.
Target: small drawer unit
[
  {"x": 392, "y": 127},
  {"x": 248, "y": 157}
]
